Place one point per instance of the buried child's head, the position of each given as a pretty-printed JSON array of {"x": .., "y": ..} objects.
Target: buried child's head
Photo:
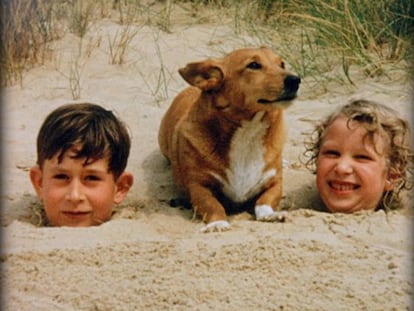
[{"x": 82, "y": 153}]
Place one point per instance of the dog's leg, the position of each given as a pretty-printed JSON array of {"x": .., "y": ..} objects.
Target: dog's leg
[
  {"x": 209, "y": 208},
  {"x": 266, "y": 213},
  {"x": 268, "y": 202},
  {"x": 216, "y": 226}
]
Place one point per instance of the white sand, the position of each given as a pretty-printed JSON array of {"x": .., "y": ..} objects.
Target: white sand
[{"x": 153, "y": 257}]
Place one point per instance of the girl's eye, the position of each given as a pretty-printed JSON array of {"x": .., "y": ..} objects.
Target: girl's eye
[
  {"x": 254, "y": 65},
  {"x": 363, "y": 157},
  {"x": 331, "y": 153}
]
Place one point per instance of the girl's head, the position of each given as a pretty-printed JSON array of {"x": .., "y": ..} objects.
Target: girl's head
[{"x": 361, "y": 155}]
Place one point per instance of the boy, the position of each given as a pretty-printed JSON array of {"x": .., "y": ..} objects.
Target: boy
[{"x": 82, "y": 152}]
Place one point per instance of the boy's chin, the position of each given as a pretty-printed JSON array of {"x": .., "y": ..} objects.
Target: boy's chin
[{"x": 76, "y": 223}]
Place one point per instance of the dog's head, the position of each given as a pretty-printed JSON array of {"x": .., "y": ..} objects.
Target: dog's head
[{"x": 251, "y": 79}]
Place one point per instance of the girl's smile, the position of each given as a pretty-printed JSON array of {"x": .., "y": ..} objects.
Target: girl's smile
[
  {"x": 342, "y": 187},
  {"x": 351, "y": 168}
]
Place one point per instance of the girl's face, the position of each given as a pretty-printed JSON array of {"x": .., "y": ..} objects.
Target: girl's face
[{"x": 352, "y": 171}]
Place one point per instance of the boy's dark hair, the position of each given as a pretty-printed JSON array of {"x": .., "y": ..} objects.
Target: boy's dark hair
[{"x": 97, "y": 132}]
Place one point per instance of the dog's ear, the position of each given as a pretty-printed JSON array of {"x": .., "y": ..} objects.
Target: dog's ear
[{"x": 207, "y": 75}]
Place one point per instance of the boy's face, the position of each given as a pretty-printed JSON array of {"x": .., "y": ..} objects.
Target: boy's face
[
  {"x": 78, "y": 195},
  {"x": 352, "y": 172}
]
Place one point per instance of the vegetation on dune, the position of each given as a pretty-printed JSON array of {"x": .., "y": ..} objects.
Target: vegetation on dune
[{"x": 318, "y": 36}]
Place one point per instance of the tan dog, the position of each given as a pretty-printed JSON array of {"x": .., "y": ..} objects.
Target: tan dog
[{"x": 224, "y": 134}]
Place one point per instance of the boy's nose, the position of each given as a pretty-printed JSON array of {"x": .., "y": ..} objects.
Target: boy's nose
[{"x": 75, "y": 192}]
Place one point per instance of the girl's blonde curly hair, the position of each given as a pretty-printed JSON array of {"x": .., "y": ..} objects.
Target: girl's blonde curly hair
[{"x": 377, "y": 119}]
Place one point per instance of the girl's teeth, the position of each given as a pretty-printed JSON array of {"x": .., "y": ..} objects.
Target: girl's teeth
[{"x": 342, "y": 187}]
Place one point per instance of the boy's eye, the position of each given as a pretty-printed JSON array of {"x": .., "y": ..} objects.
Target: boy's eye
[
  {"x": 92, "y": 178},
  {"x": 61, "y": 176}
]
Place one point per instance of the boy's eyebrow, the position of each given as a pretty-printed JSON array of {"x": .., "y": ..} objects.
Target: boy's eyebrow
[
  {"x": 61, "y": 168},
  {"x": 96, "y": 171}
]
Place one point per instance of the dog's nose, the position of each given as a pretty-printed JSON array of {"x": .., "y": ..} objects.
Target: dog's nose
[{"x": 292, "y": 83}]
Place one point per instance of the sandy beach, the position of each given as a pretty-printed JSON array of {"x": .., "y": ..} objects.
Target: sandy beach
[{"x": 151, "y": 256}]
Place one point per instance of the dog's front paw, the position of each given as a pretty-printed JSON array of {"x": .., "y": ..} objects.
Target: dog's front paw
[
  {"x": 216, "y": 226},
  {"x": 267, "y": 214}
]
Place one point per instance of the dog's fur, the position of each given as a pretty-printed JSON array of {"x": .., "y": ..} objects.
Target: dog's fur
[{"x": 224, "y": 134}]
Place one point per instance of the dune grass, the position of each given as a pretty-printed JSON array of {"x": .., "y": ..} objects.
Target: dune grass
[
  {"x": 333, "y": 35},
  {"x": 318, "y": 36}
]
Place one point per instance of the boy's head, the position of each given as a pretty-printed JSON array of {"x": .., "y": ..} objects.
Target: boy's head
[
  {"x": 97, "y": 132},
  {"x": 82, "y": 153},
  {"x": 361, "y": 153}
]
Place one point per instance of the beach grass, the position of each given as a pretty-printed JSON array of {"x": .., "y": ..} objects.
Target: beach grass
[{"x": 315, "y": 37}]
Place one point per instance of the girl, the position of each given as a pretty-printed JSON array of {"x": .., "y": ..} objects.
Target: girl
[{"x": 362, "y": 157}]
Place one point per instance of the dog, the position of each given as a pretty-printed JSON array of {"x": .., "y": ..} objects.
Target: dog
[{"x": 224, "y": 134}]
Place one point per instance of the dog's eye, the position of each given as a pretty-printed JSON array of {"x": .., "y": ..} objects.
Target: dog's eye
[
  {"x": 282, "y": 64},
  {"x": 254, "y": 65}
]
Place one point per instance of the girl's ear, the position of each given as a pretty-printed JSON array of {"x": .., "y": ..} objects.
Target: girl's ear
[
  {"x": 389, "y": 185},
  {"x": 36, "y": 179},
  {"x": 392, "y": 179},
  {"x": 123, "y": 184}
]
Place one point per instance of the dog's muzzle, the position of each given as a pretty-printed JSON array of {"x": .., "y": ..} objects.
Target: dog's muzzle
[{"x": 291, "y": 87}]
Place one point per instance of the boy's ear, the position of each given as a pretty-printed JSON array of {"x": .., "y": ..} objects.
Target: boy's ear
[
  {"x": 36, "y": 179},
  {"x": 124, "y": 183}
]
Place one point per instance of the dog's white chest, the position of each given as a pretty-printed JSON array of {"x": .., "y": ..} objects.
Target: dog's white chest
[{"x": 245, "y": 174}]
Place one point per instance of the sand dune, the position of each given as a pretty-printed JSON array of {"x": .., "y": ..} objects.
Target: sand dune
[{"x": 153, "y": 257}]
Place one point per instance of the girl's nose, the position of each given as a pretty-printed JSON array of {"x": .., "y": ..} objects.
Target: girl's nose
[
  {"x": 75, "y": 192},
  {"x": 343, "y": 166}
]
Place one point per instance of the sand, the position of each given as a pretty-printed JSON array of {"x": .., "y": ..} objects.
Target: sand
[{"x": 150, "y": 256}]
